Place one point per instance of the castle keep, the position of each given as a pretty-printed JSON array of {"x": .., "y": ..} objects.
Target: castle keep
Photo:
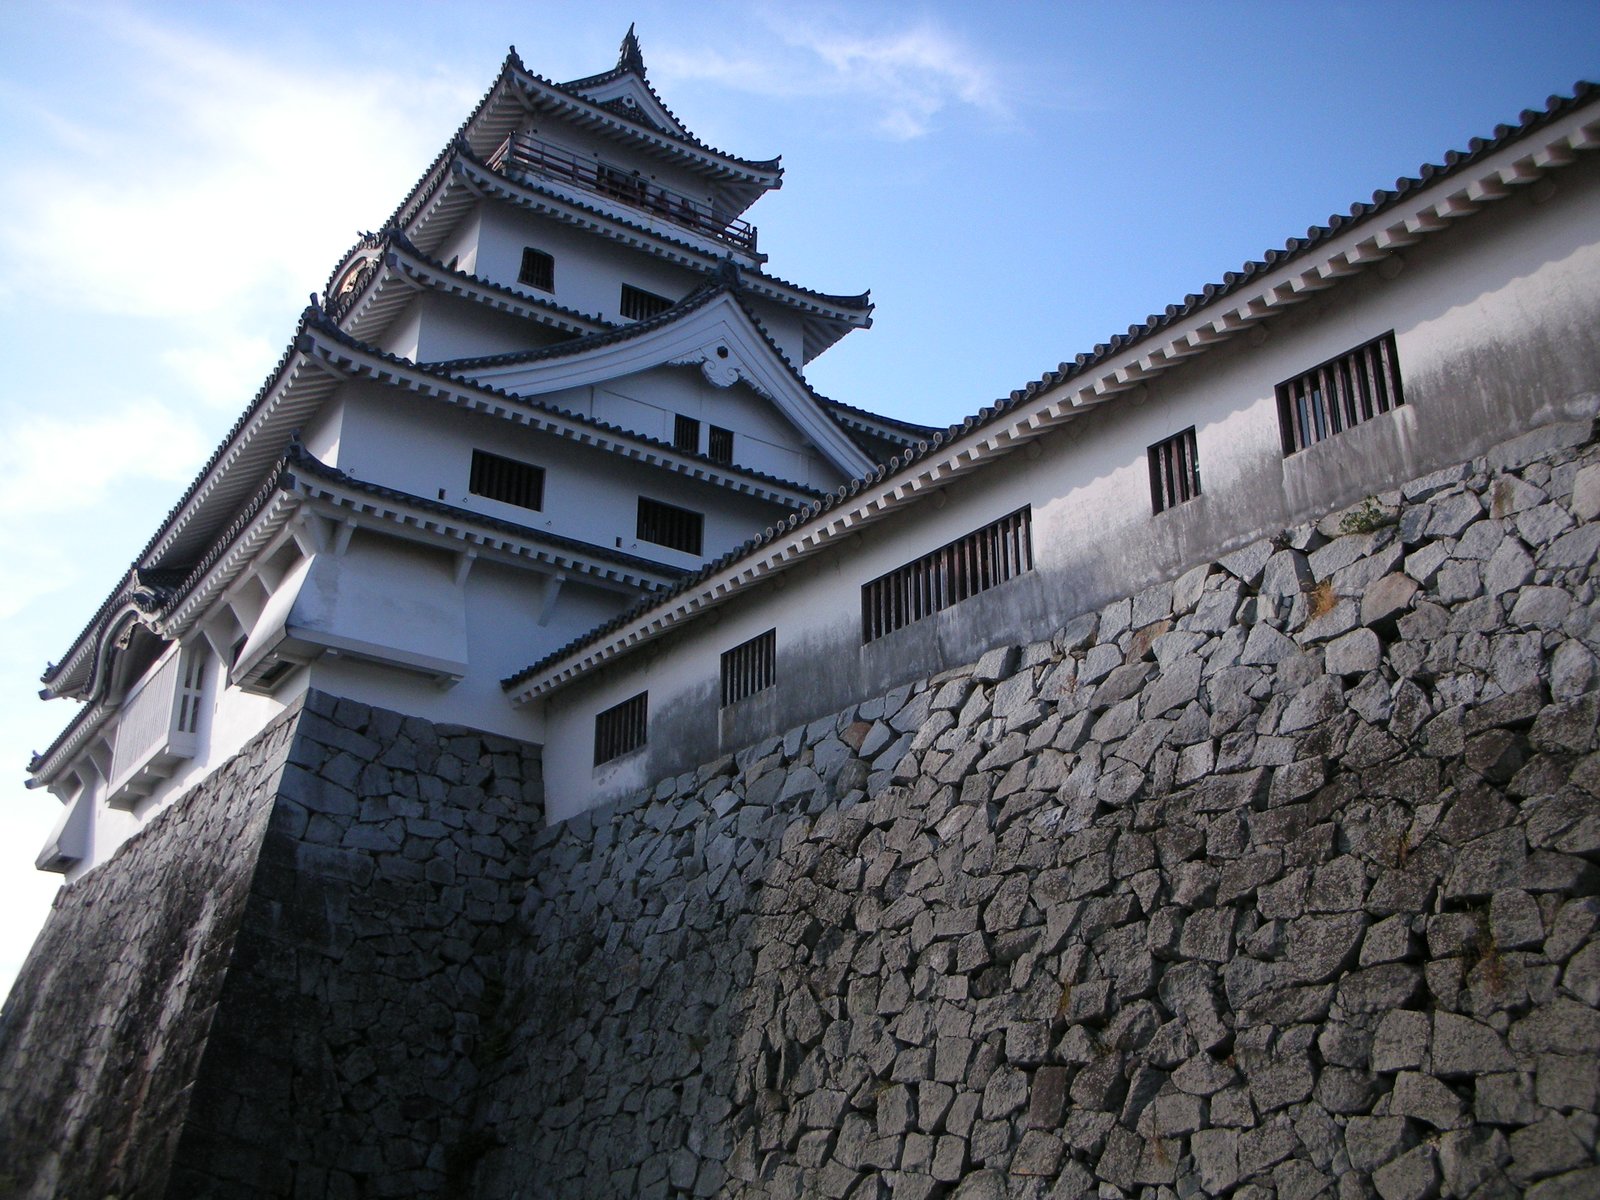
[{"x": 550, "y": 750}]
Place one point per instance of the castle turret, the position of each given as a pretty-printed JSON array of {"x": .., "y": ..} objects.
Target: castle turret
[{"x": 558, "y": 378}]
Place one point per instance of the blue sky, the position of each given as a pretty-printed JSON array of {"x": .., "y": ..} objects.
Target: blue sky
[{"x": 1014, "y": 182}]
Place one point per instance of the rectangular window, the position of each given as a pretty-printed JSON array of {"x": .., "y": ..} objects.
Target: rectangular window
[
  {"x": 507, "y": 479},
  {"x": 620, "y": 730},
  {"x": 191, "y": 690},
  {"x": 749, "y": 668},
  {"x": 983, "y": 559},
  {"x": 1174, "y": 471},
  {"x": 686, "y": 434},
  {"x": 670, "y": 526},
  {"x": 719, "y": 445},
  {"x": 1340, "y": 393},
  {"x": 640, "y": 305},
  {"x": 538, "y": 270}
]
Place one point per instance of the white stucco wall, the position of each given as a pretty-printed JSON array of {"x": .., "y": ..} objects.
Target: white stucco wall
[
  {"x": 228, "y": 719},
  {"x": 589, "y": 271},
  {"x": 423, "y": 447},
  {"x": 1496, "y": 325}
]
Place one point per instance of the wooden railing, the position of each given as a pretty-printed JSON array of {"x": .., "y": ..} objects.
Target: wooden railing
[{"x": 520, "y": 152}]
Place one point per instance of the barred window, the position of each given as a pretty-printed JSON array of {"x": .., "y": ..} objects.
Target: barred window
[
  {"x": 640, "y": 305},
  {"x": 620, "y": 729},
  {"x": 1340, "y": 393},
  {"x": 670, "y": 526},
  {"x": 749, "y": 667},
  {"x": 983, "y": 559},
  {"x": 1174, "y": 471},
  {"x": 686, "y": 434},
  {"x": 719, "y": 444},
  {"x": 192, "y": 690},
  {"x": 507, "y": 480},
  {"x": 538, "y": 270}
]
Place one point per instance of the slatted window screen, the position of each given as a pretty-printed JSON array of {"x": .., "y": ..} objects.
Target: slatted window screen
[
  {"x": 975, "y": 563},
  {"x": 640, "y": 305},
  {"x": 620, "y": 729},
  {"x": 1174, "y": 471},
  {"x": 1340, "y": 393},
  {"x": 538, "y": 270},
  {"x": 670, "y": 526},
  {"x": 507, "y": 480},
  {"x": 719, "y": 444},
  {"x": 686, "y": 433},
  {"x": 749, "y": 667},
  {"x": 192, "y": 690}
]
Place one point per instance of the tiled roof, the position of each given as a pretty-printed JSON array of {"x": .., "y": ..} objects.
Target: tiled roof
[
  {"x": 630, "y": 61},
  {"x": 847, "y": 412},
  {"x": 390, "y": 238},
  {"x": 465, "y": 153},
  {"x": 726, "y": 282},
  {"x": 440, "y": 371},
  {"x": 300, "y": 463},
  {"x": 1427, "y": 175},
  {"x": 1478, "y": 148},
  {"x": 698, "y": 298}
]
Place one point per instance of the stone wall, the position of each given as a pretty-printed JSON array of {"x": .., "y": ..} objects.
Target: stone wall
[
  {"x": 338, "y": 897},
  {"x": 103, "y": 1031},
  {"x": 342, "y": 1063},
  {"x": 1276, "y": 880}
]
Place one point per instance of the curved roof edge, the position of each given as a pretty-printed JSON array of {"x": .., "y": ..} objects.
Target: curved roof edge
[{"x": 971, "y": 432}]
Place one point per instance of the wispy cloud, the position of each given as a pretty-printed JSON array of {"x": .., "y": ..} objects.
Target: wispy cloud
[
  {"x": 55, "y": 467},
  {"x": 261, "y": 174},
  {"x": 902, "y": 79}
]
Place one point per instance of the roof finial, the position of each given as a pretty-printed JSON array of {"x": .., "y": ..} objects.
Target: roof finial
[{"x": 630, "y": 59}]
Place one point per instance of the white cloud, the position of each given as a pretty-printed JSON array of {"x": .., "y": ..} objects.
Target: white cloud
[
  {"x": 225, "y": 371},
  {"x": 222, "y": 178},
  {"x": 52, "y": 464},
  {"x": 901, "y": 79}
]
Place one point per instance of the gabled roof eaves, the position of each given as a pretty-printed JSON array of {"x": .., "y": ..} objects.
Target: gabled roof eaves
[
  {"x": 491, "y": 180},
  {"x": 431, "y": 178},
  {"x": 696, "y": 299},
  {"x": 303, "y": 466},
  {"x": 400, "y": 256},
  {"x": 571, "y": 318},
  {"x": 662, "y": 453},
  {"x": 691, "y": 303},
  {"x": 866, "y": 419},
  {"x": 1233, "y": 282},
  {"x": 571, "y": 90},
  {"x": 1317, "y": 235}
]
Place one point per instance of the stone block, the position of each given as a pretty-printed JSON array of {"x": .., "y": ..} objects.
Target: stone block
[
  {"x": 1412, "y": 1176},
  {"x": 1353, "y": 653},
  {"x": 1386, "y": 600}
]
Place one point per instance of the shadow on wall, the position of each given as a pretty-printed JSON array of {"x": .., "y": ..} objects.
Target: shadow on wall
[{"x": 1281, "y": 871}]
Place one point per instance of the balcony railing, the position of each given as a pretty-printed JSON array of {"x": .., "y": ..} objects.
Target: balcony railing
[{"x": 520, "y": 152}]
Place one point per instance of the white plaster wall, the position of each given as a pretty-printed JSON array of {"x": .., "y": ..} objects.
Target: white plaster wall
[
  {"x": 454, "y": 327},
  {"x": 386, "y": 597},
  {"x": 783, "y": 326},
  {"x": 229, "y": 719},
  {"x": 462, "y": 244},
  {"x": 424, "y": 447},
  {"x": 502, "y": 607},
  {"x": 321, "y": 434},
  {"x": 764, "y": 440},
  {"x": 589, "y": 270},
  {"x": 1496, "y": 326},
  {"x": 404, "y": 333}
]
